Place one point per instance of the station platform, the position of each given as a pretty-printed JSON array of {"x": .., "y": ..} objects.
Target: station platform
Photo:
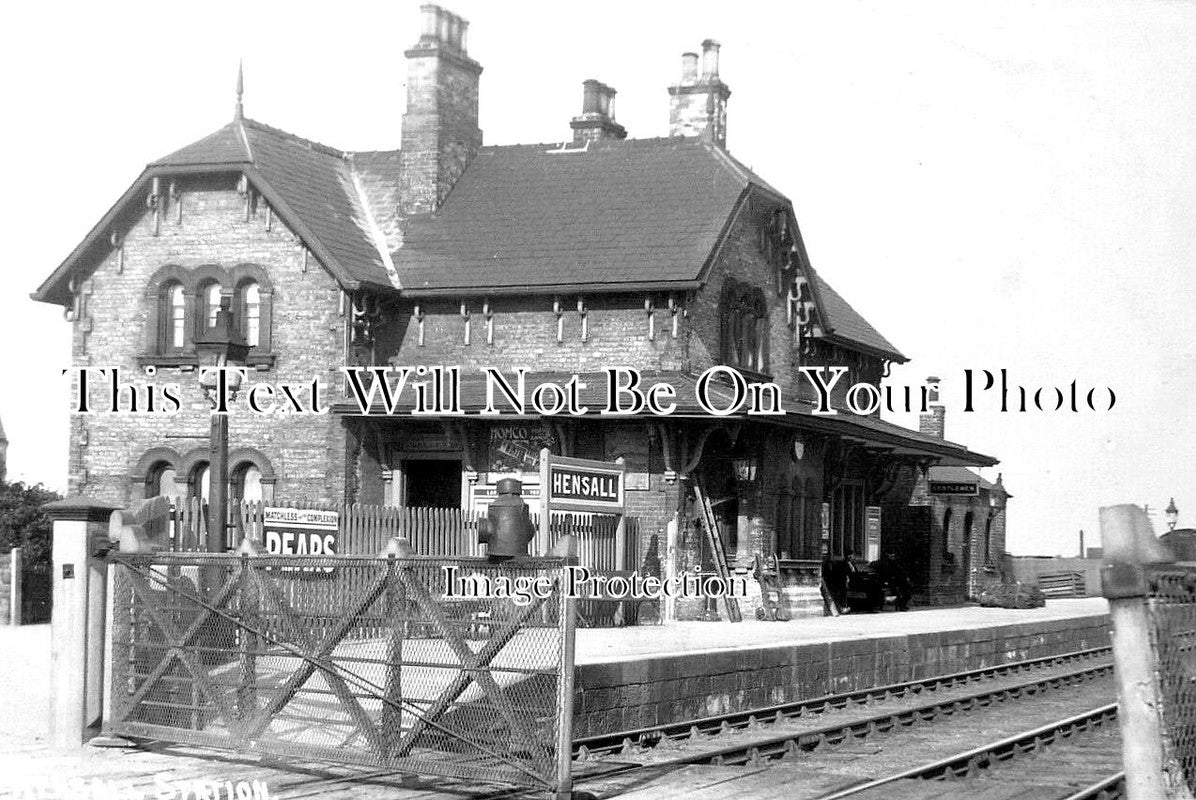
[
  {"x": 629, "y": 678},
  {"x": 626, "y": 678}
]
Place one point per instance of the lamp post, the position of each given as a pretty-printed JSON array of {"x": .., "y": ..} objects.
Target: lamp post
[
  {"x": 221, "y": 382},
  {"x": 1172, "y": 514}
]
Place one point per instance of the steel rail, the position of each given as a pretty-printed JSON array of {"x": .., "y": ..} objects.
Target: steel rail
[
  {"x": 978, "y": 758},
  {"x": 793, "y": 743},
  {"x": 1110, "y": 788},
  {"x": 785, "y": 744},
  {"x": 628, "y": 741}
]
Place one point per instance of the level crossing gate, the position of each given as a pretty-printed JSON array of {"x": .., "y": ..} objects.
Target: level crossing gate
[{"x": 381, "y": 661}]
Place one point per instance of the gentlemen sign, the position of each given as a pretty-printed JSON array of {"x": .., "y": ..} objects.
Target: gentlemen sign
[{"x": 954, "y": 487}]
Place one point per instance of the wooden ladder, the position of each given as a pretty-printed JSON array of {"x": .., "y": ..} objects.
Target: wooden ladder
[{"x": 714, "y": 538}]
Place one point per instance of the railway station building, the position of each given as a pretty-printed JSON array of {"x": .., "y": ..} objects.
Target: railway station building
[{"x": 662, "y": 255}]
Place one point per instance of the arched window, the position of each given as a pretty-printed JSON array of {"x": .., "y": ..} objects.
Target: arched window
[
  {"x": 161, "y": 481},
  {"x": 209, "y": 298},
  {"x": 744, "y": 327},
  {"x": 253, "y": 295},
  {"x": 247, "y": 483},
  {"x": 249, "y": 312},
  {"x": 172, "y": 313},
  {"x": 201, "y": 480},
  {"x": 250, "y": 476}
]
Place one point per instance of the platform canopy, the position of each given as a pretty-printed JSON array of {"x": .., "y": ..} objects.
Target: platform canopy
[{"x": 870, "y": 431}]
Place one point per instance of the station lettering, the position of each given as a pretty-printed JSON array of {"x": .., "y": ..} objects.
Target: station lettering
[{"x": 570, "y": 484}]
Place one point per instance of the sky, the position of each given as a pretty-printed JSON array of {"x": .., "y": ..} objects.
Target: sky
[{"x": 993, "y": 185}]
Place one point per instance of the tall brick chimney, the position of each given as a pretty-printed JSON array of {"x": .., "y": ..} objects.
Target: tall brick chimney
[
  {"x": 698, "y": 104},
  {"x": 440, "y": 128},
  {"x": 597, "y": 117},
  {"x": 935, "y": 422}
]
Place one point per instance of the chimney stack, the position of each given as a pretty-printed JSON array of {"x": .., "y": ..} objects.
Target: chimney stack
[
  {"x": 440, "y": 128},
  {"x": 597, "y": 118},
  {"x": 934, "y": 423},
  {"x": 710, "y": 60},
  {"x": 698, "y": 104}
]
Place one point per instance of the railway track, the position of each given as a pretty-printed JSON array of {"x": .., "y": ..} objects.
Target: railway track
[
  {"x": 1056, "y": 761},
  {"x": 942, "y": 694},
  {"x": 808, "y": 743},
  {"x": 864, "y": 744}
]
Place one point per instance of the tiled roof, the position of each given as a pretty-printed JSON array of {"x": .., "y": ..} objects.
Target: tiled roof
[
  {"x": 378, "y": 173},
  {"x": 632, "y": 211},
  {"x": 225, "y": 146},
  {"x": 844, "y": 322},
  {"x": 314, "y": 181},
  {"x": 958, "y": 475},
  {"x": 637, "y": 212}
]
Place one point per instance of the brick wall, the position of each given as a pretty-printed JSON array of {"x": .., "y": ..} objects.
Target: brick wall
[
  {"x": 306, "y": 452},
  {"x": 624, "y": 695},
  {"x": 440, "y": 127},
  {"x": 525, "y": 335},
  {"x": 957, "y": 566}
]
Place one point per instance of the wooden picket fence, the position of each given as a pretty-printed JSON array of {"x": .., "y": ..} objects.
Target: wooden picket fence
[
  {"x": 365, "y": 530},
  {"x": 1062, "y": 584}
]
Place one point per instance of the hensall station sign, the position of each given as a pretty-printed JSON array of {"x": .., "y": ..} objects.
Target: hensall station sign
[{"x": 579, "y": 485}]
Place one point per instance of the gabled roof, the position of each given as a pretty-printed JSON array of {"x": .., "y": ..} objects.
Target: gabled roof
[
  {"x": 636, "y": 211},
  {"x": 958, "y": 475},
  {"x": 615, "y": 215},
  {"x": 844, "y": 323},
  {"x": 310, "y": 186},
  {"x": 226, "y": 146}
]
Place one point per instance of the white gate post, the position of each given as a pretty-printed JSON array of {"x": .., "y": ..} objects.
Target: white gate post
[
  {"x": 77, "y": 624},
  {"x": 566, "y": 548},
  {"x": 1129, "y": 544},
  {"x": 16, "y": 591}
]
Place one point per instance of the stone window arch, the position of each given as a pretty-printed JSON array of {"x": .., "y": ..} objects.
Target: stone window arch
[
  {"x": 183, "y": 303},
  {"x": 168, "y": 298},
  {"x": 253, "y": 296},
  {"x": 174, "y": 316},
  {"x": 192, "y": 469},
  {"x": 156, "y": 473},
  {"x": 251, "y": 476},
  {"x": 211, "y": 283}
]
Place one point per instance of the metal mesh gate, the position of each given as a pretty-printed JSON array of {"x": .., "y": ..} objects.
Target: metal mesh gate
[
  {"x": 1172, "y": 609},
  {"x": 379, "y": 661}
]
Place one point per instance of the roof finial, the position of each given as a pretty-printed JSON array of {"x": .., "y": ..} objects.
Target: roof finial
[{"x": 239, "y": 114}]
